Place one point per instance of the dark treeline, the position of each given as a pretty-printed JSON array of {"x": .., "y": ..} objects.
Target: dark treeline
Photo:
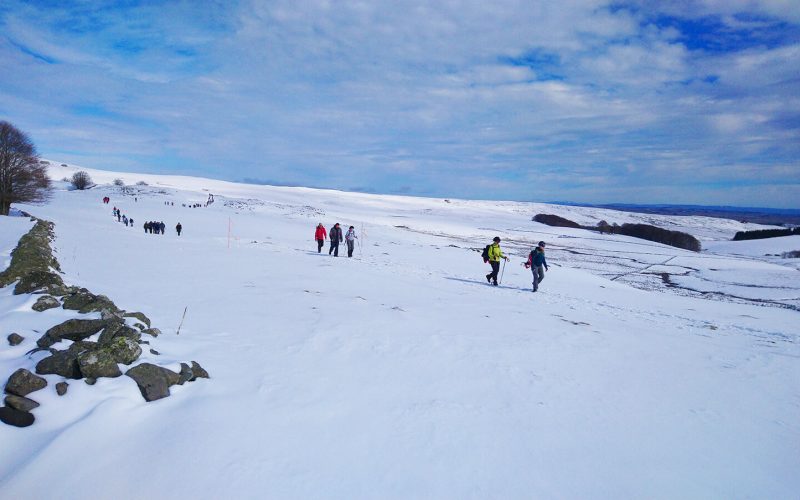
[
  {"x": 644, "y": 231},
  {"x": 760, "y": 234}
]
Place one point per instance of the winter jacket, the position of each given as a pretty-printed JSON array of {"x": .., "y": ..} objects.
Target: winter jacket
[
  {"x": 320, "y": 233},
  {"x": 336, "y": 234},
  {"x": 536, "y": 259},
  {"x": 495, "y": 254},
  {"x": 351, "y": 235}
]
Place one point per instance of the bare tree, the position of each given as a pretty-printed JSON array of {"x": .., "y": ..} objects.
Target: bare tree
[
  {"x": 81, "y": 180},
  {"x": 22, "y": 178}
]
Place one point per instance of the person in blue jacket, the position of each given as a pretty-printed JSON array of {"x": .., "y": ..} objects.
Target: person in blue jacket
[{"x": 537, "y": 264}]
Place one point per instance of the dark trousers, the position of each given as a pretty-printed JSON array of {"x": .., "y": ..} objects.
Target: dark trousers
[
  {"x": 495, "y": 269},
  {"x": 351, "y": 244},
  {"x": 319, "y": 245},
  {"x": 334, "y": 248}
]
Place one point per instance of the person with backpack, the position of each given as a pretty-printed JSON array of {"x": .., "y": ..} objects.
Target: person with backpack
[
  {"x": 350, "y": 238},
  {"x": 178, "y": 228},
  {"x": 335, "y": 235},
  {"x": 537, "y": 264},
  {"x": 320, "y": 234},
  {"x": 494, "y": 254}
]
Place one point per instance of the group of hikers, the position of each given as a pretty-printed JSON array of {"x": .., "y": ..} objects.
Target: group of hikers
[
  {"x": 536, "y": 262},
  {"x": 335, "y": 236},
  {"x": 492, "y": 254},
  {"x": 121, "y": 218}
]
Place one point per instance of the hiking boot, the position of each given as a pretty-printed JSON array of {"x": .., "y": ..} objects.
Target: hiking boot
[
  {"x": 489, "y": 278},
  {"x": 494, "y": 283}
]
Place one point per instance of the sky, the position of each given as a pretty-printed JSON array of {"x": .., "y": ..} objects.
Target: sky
[{"x": 684, "y": 102}]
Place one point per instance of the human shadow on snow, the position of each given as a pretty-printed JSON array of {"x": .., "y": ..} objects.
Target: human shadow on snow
[{"x": 484, "y": 283}]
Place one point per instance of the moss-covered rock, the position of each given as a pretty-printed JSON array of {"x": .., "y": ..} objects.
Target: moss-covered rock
[
  {"x": 98, "y": 363},
  {"x": 32, "y": 262},
  {"x": 124, "y": 350},
  {"x": 85, "y": 301},
  {"x": 15, "y": 339},
  {"x": 45, "y": 302}
]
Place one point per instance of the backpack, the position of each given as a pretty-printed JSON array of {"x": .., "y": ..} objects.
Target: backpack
[{"x": 485, "y": 254}]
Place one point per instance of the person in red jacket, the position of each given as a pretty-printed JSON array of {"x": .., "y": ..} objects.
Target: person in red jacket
[{"x": 320, "y": 234}]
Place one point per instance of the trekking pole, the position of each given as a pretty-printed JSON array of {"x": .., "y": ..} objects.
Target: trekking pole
[{"x": 503, "y": 271}]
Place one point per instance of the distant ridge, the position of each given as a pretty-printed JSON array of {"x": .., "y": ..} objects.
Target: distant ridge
[{"x": 757, "y": 215}]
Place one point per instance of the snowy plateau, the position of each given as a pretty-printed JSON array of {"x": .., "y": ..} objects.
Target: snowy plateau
[{"x": 638, "y": 370}]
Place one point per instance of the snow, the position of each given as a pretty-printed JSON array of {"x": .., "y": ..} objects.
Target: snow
[{"x": 400, "y": 373}]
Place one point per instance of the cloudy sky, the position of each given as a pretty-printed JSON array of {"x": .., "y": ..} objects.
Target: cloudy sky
[{"x": 692, "y": 102}]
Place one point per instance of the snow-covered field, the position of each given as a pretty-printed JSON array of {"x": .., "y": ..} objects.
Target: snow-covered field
[{"x": 637, "y": 371}]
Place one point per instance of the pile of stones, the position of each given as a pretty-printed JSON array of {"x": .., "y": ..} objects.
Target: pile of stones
[{"x": 34, "y": 270}]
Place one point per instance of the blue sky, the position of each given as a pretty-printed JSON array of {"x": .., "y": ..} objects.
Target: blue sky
[{"x": 693, "y": 102}]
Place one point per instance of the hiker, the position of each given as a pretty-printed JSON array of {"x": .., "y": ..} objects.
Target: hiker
[
  {"x": 178, "y": 228},
  {"x": 495, "y": 254},
  {"x": 350, "y": 238},
  {"x": 537, "y": 264},
  {"x": 125, "y": 220},
  {"x": 320, "y": 234},
  {"x": 335, "y": 235},
  {"x": 163, "y": 227},
  {"x": 131, "y": 221}
]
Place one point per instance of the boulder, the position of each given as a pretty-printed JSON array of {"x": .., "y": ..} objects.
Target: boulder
[
  {"x": 185, "y": 375},
  {"x": 98, "y": 363},
  {"x": 72, "y": 329},
  {"x": 61, "y": 388},
  {"x": 155, "y": 332},
  {"x": 85, "y": 301},
  {"x": 64, "y": 363},
  {"x": 16, "y": 418},
  {"x": 124, "y": 350},
  {"x": 154, "y": 352},
  {"x": 111, "y": 315},
  {"x": 140, "y": 316},
  {"x": 20, "y": 403},
  {"x": 153, "y": 381},
  {"x": 198, "y": 371},
  {"x": 36, "y": 280},
  {"x": 45, "y": 302},
  {"x": 22, "y": 382},
  {"x": 15, "y": 339},
  {"x": 61, "y": 290}
]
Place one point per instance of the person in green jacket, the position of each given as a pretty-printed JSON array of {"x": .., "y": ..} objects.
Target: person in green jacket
[{"x": 495, "y": 254}]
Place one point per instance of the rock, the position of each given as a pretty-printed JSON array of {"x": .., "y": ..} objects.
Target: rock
[
  {"x": 60, "y": 290},
  {"x": 72, "y": 329},
  {"x": 16, "y": 418},
  {"x": 61, "y": 388},
  {"x": 155, "y": 332},
  {"x": 90, "y": 380},
  {"x": 109, "y": 315},
  {"x": 64, "y": 363},
  {"x": 153, "y": 381},
  {"x": 98, "y": 363},
  {"x": 154, "y": 352},
  {"x": 20, "y": 403},
  {"x": 185, "y": 375},
  {"x": 198, "y": 371},
  {"x": 36, "y": 280},
  {"x": 44, "y": 303},
  {"x": 15, "y": 339},
  {"x": 22, "y": 382},
  {"x": 113, "y": 330},
  {"x": 81, "y": 346},
  {"x": 85, "y": 301},
  {"x": 140, "y": 316},
  {"x": 124, "y": 350}
]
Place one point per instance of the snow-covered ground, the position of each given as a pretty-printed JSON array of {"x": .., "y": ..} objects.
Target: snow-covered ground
[{"x": 638, "y": 370}]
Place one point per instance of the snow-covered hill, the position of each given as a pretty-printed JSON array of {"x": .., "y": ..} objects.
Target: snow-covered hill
[{"x": 638, "y": 370}]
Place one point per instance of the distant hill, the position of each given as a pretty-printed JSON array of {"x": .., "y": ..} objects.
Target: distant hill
[{"x": 768, "y": 216}]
